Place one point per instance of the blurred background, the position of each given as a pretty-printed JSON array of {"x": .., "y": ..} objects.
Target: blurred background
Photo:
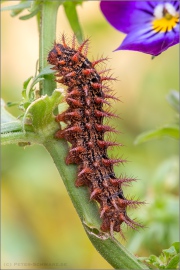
[{"x": 39, "y": 223}]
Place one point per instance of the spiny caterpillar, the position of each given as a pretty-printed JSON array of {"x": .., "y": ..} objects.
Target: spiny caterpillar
[{"x": 85, "y": 130}]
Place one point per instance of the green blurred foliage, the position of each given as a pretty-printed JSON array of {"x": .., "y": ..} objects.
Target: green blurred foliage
[
  {"x": 39, "y": 223},
  {"x": 168, "y": 259}
]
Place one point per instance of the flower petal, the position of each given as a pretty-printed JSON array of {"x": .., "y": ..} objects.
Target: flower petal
[
  {"x": 126, "y": 15},
  {"x": 148, "y": 41}
]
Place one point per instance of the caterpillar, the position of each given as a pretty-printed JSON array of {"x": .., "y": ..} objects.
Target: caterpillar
[{"x": 86, "y": 96}]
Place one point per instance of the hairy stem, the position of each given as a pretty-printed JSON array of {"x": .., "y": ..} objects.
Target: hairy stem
[
  {"x": 19, "y": 138},
  {"x": 47, "y": 35}
]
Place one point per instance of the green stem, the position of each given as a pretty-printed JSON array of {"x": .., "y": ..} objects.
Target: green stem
[
  {"x": 19, "y": 137},
  {"x": 115, "y": 253},
  {"x": 47, "y": 35},
  {"x": 108, "y": 247},
  {"x": 80, "y": 197}
]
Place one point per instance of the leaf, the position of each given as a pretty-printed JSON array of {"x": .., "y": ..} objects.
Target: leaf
[
  {"x": 11, "y": 104},
  {"x": 72, "y": 16},
  {"x": 28, "y": 16},
  {"x": 40, "y": 114},
  {"x": 173, "y": 99},
  {"x": 32, "y": 6},
  {"x": 26, "y": 82},
  {"x": 38, "y": 124},
  {"x": 174, "y": 262},
  {"x": 176, "y": 245},
  {"x": 170, "y": 131},
  {"x": 5, "y": 115},
  {"x": 8, "y": 122},
  {"x": 46, "y": 71},
  {"x": 168, "y": 259},
  {"x": 25, "y": 85},
  {"x": 33, "y": 10},
  {"x": 12, "y": 126},
  {"x": 19, "y": 7}
]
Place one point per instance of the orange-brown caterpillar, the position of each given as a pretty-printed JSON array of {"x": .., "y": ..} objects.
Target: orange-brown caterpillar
[{"x": 85, "y": 130}]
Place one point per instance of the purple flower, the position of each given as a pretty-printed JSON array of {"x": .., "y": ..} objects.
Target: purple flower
[{"x": 151, "y": 26}]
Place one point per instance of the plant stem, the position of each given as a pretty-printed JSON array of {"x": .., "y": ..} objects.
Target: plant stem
[
  {"x": 116, "y": 254},
  {"x": 19, "y": 137},
  {"x": 108, "y": 247},
  {"x": 79, "y": 196},
  {"x": 47, "y": 35}
]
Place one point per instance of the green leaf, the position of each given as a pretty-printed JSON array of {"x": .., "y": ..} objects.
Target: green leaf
[
  {"x": 28, "y": 16},
  {"x": 34, "y": 9},
  {"x": 35, "y": 4},
  {"x": 12, "y": 126},
  {"x": 38, "y": 124},
  {"x": 176, "y": 245},
  {"x": 174, "y": 262},
  {"x": 28, "y": 98},
  {"x": 46, "y": 71},
  {"x": 25, "y": 84},
  {"x": 173, "y": 99},
  {"x": 168, "y": 259},
  {"x": 170, "y": 252},
  {"x": 20, "y": 7},
  {"x": 8, "y": 122},
  {"x": 40, "y": 115},
  {"x": 11, "y": 104},
  {"x": 5, "y": 115},
  {"x": 72, "y": 16},
  {"x": 170, "y": 131},
  {"x": 32, "y": 6}
]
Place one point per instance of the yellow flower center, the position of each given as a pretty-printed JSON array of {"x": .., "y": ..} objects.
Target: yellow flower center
[{"x": 166, "y": 18}]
